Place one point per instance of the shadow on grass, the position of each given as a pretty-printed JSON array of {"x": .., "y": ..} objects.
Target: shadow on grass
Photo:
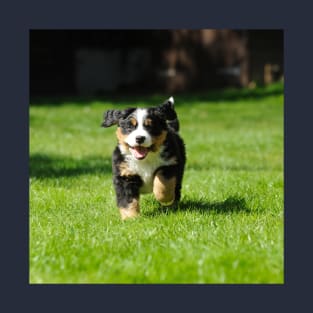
[
  {"x": 129, "y": 99},
  {"x": 230, "y": 205},
  {"x": 233, "y": 167},
  {"x": 49, "y": 166}
]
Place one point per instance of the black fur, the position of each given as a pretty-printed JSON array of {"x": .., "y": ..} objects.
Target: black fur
[
  {"x": 167, "y": 112},
  {"x": 126, "y": 187}
]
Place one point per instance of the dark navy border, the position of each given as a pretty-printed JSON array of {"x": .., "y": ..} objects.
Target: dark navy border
[{"x": 17, "y": 18}]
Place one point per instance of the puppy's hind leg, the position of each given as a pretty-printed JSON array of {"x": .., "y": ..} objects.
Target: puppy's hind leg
[{"x": 164, "y": 187}]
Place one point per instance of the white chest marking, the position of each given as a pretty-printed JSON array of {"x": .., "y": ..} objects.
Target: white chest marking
[{"x": 146, "y": 168}]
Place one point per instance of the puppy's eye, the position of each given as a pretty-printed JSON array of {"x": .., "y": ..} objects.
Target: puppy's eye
[
  {"x": 128, "y": 125},
  {"x": 131, "y": 123}
]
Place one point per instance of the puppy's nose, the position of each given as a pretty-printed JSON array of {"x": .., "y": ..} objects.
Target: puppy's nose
[{"x": 140, "y": 139}]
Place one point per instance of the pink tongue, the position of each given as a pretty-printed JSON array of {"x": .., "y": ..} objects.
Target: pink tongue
[{"x": 139, "y": 152}]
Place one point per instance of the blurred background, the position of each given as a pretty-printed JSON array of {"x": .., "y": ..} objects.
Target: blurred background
[
  {"x": 228, "y": 91},
  {"x": 111, "y": 62}
]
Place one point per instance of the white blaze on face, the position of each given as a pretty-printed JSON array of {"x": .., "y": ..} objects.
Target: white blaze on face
[{"x": 140, "y": 116}]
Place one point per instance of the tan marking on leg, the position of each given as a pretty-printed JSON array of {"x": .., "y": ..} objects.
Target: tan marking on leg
[
  {"x": 121, "y": 137},
  {"x": 158, "y": 141},
  {"x": 125, "y": 170},
  {"x": 164, "y": 189},
  {"x": 131, "y": 211}
]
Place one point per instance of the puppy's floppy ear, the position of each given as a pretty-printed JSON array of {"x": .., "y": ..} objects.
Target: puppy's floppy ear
[
  {"x": 112, "y": 117},
  {"x": 167, "y": 111}
]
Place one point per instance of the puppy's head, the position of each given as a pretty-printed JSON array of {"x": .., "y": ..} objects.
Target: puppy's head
[{"x": 142, "y": 130}]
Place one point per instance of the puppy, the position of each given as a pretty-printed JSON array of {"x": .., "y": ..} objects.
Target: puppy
[{"x": 149, "y": 157}]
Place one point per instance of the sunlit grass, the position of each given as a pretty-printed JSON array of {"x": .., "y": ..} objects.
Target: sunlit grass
[{"x": 228, "y": 229}]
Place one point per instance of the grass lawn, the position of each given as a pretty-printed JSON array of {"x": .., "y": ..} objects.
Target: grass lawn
[{"x": 228, "y": 229}]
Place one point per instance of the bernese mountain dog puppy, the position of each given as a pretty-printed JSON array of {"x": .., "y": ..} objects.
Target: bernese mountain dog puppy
[{"x": 149, "y": 157}]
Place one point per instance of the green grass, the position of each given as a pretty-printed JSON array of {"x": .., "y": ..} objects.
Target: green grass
[{"x": 228, "y": 229}]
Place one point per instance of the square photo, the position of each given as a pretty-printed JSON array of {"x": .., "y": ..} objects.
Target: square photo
[{"x": 156, "y": 156}]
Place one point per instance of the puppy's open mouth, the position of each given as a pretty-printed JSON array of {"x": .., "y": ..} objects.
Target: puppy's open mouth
[{"x": 139, "y": 152}]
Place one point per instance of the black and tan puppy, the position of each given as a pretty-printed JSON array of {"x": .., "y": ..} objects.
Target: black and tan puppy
[{"x": 150, "y": 155}]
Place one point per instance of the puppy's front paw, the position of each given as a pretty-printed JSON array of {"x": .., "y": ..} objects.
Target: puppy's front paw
[{"x": 131, "y": 211}]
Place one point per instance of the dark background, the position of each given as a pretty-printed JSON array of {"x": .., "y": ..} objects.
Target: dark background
[
  {"x": 18, "y": 18},
  {"x": 101, "y": 62}
]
